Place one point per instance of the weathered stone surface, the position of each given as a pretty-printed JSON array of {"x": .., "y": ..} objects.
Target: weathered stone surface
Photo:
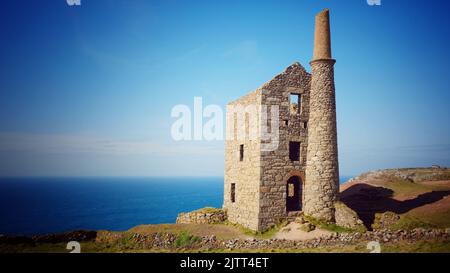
[
  {"x": 322, "y": 38},
  {"x": 261, "y": 178},
  {"x": 322, "y": 169},
  {"x": 308, "y": 227},
  {"x": 244, "y": 174},
  {"x": 348, "y": 218},
  {"x": 385, "y": 220},
  {"x": 202, "y": 216}
]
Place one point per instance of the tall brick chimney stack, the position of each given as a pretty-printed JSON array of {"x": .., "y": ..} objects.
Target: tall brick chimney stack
[
  {"x": 322, "y": 39},
  {"x": 322, "y": 168}
]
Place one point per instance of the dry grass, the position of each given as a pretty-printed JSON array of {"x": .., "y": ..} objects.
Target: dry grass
[{"x": 221, "y": 231}]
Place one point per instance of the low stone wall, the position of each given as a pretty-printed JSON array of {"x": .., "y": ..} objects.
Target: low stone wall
[
  {"x": 202, "y": 216},
  {"x": 163, "y": 240},
  {"x": 168, "y": 241},
  {"x": 342, "y": 239}
]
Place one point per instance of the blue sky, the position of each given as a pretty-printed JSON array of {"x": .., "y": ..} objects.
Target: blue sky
[{"x": 88, "y": 90}]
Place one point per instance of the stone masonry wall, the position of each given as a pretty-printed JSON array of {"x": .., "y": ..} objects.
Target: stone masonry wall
[
  {"x": 246, "y": 174},
  {"x": 202, "y": 216},
  {"x": 276, "y": 166},
  {"x": 322, "y": 172},
  {"x": 262, "y": 177}
]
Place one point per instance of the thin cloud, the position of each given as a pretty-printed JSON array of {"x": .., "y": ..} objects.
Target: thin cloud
[
  {"x": 247, "y": 50},
  {"x": 79, "y": 144}
]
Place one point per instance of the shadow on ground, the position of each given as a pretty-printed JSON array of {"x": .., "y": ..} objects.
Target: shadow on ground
[{"x": 367, "y": 200}]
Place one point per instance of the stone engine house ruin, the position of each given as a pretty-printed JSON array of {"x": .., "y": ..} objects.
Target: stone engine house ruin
[{"x": 296, "y": 170}]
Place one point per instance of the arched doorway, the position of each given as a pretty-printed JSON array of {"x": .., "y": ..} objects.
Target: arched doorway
[{"x": 294, "y": 194}]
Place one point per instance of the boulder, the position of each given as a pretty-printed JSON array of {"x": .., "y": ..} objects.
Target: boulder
[
  {"x": 307, "y": 227},
  {"x": 347, "y": 218},
  {"x": 385, "y": 220}
]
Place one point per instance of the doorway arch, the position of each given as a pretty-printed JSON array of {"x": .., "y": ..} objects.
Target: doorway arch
[{"x": 294, "y": 192}]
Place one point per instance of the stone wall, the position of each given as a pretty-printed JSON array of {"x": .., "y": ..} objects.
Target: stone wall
[
  {"x": 262, "y": 176},
  {"x": 202, "y": 216},
  {"x": 246, "y": 174},
  {"x": 167, "y": 241},
  {"x": 322, "y": 171},
  {"x": 276, "y": 166}
]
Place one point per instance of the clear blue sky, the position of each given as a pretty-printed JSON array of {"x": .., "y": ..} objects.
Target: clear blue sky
[{"x": 88, "y": 90}]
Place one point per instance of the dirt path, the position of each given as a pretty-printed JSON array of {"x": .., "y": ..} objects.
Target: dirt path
[{"x": 293, "y": 232}]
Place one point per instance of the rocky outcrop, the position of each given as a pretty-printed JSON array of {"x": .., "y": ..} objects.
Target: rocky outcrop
[
  {"x": 347, "y": 218},
  {"x": 304, "y": 224},
  {"x": 202, "y": 216},
  {"x": 385, "y": 220}
]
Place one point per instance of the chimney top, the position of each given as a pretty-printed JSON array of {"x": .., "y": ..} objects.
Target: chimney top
[{"x": 322, "y": 40}]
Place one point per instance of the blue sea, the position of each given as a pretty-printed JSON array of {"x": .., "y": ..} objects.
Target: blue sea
[{"x": 30, "y": 206}]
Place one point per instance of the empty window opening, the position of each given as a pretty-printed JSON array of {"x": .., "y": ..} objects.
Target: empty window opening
[
  {"x": 294, "y": 151},
  {"x": 305, "y": 125},
  {"x": 286, "y": 122},
  {"x": 296, "y": 103},
  {"x": 241, "y": 152},
  {"x": 294, "y": 194},
  {"x": 233, "y": 192}
]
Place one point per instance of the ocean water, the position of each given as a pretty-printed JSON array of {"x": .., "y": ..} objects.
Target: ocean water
[{"x": 31, "y": 206}]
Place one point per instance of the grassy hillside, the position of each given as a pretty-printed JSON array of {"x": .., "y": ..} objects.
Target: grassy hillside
[{"x": 420, "y": 197}]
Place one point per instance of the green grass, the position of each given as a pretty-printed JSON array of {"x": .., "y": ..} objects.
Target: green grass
[
  {"x": 409, "y": 222},
  {"x": 434, "y": 246},
  {"x": 412, "y": 220},
  {"x": 186, "y": 245},
  {"x": 439, "y": 219},
  {"x": 222, "y": 231},
  {"x": 185, "y": 239},
  {"x": 209, "y": 210},
  {"x": 327, "y": 226},
  {"x": 405, "y": 187},
  {"x": 429, "y": 246}
]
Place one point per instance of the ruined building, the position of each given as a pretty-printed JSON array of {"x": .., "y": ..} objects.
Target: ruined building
[{"x": 295, "y": 169}]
